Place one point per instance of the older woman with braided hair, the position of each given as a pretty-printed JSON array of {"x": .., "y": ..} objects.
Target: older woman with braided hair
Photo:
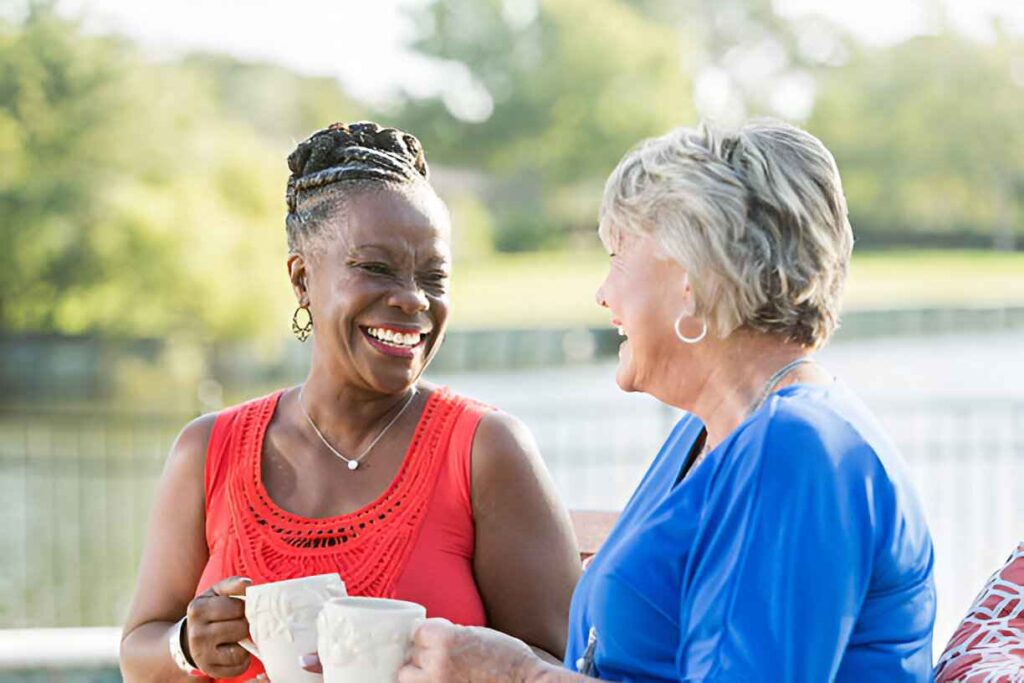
[
  {"x": 404, "y": 488},
  {"x": 776, "y": 536}
]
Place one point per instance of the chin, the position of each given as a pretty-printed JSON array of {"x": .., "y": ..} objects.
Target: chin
[
  {"x": 626, "y": 380},
  {"x": 394, "y": 382},
  {"x": 626, "y": 387}
]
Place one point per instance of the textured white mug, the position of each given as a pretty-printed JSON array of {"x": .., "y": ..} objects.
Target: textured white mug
[
  {"x": 282, "y": 622},
  {"x": 366, "y": 639}
]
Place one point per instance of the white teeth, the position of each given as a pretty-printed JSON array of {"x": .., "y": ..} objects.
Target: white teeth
[
  {"x": 622, "y": 332},
  {"x": 393, "y": 338}
]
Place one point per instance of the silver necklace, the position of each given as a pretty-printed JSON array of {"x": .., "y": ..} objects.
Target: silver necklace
[
  {"x": 769, "y": 386},
  {"x": 766, "y": 391},
  {"x": 353, "y": 463}
]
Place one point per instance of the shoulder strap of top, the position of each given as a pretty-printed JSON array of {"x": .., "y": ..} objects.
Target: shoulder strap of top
[
  {"x": 460, "y": 463},
  {"x": 222, "y": 452}
]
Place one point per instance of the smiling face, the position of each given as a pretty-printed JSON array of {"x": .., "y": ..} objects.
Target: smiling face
[
  {"x": 377, "y": 287},
  {"x": 645, "y": 293}
]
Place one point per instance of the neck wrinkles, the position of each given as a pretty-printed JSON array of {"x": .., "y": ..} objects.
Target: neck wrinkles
[{"x": 735, "y": 371}]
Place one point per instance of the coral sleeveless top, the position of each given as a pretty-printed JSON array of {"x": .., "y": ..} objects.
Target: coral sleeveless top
[{"x": 415, "y": 542}]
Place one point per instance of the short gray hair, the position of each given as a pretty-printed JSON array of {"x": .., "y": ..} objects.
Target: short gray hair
[{"x": 756, "y": 216}]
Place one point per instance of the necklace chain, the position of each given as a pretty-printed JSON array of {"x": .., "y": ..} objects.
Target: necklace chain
[
  {"x": 769, "y": 386},
  {"x": 353, "y": 463}
]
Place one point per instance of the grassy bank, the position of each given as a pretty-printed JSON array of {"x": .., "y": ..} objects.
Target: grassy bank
[{"x": 557, "y": 289}]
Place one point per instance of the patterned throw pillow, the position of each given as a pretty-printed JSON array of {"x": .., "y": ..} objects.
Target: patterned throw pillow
[{"x": 988, "y": 646}]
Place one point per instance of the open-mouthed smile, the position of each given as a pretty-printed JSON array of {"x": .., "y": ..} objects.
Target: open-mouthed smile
[{"x": 401, "y": 342}]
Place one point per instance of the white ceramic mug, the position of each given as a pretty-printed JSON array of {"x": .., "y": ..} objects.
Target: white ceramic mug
[
  {"x": 282, "y": 622},
  {"x": 366, "y": 639}
]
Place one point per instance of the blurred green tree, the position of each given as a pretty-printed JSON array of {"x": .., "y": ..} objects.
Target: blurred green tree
[
  {"x": 929, "y": 135},
  {"x": 547, "y": 97},
  {"x": 279, "y": 104},
  {"x": 142, "y": 199},
  {"x": 748, "y": 59}
]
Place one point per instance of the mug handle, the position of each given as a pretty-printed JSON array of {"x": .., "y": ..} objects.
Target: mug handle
[{"x": 247, "y": 643}]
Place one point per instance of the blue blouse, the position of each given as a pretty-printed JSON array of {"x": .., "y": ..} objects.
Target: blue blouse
[{"x": 795, "y": 551}]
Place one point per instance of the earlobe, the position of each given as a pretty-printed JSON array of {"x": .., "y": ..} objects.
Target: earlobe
[
  {"x": 687, "y": 298},
  {"x": 687, "y": 289},
  {"x": 297, "y": 275}
]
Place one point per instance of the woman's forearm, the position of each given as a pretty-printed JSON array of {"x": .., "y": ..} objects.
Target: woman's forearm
[{"x": 146, "y": 655}]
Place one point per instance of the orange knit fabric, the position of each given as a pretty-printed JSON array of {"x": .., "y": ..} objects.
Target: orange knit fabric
[{"x": 415, "y": 542}]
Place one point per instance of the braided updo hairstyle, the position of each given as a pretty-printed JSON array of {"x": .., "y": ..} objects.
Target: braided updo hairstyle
[{"x": 341, "y": 159}]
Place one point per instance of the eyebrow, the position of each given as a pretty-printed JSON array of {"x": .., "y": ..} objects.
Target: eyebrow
[
  {"x": 359, "y": 248},
  {"x": 362, "y": 248}
]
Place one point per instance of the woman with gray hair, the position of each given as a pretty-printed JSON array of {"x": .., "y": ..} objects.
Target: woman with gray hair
[{"x": 776, "y": 535}]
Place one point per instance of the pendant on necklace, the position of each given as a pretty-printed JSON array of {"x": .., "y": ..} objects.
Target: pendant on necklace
[{"x": 353, "y": 464}]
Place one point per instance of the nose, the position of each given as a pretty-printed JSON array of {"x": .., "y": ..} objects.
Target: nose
[
  {"x": 411, "y": 300},
  {"x": 599, "y": 295}
]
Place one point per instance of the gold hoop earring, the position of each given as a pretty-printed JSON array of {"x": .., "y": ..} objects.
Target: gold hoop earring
[{"x": 302, "y": 332}]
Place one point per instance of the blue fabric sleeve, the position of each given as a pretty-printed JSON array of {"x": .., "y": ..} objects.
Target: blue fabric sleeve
[{"x": 783, "y": 556}]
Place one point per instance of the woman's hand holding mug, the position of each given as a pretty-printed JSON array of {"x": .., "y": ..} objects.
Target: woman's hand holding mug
[{"x": 216, "y": 623}]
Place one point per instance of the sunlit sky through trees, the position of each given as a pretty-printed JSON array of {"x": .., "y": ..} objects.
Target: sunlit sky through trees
[{"x": 370, "y": 55}]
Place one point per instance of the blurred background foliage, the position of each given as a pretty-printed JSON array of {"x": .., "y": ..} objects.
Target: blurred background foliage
[
  {"x": 142, "y": 197},
  {"x": 929, "y": 135}
]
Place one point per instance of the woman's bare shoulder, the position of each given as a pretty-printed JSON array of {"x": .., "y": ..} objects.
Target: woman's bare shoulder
[{"x": 189, "y": 449}]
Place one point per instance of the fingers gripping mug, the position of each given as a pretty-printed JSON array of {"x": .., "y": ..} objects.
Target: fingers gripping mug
[{"x": 282, "y": 622}]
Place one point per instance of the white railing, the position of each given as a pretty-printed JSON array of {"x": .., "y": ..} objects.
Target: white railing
[{"x": 58, "y": 649}]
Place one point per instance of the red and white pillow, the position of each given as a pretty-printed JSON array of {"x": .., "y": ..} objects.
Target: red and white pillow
[{"x": 988, "y": 646}]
